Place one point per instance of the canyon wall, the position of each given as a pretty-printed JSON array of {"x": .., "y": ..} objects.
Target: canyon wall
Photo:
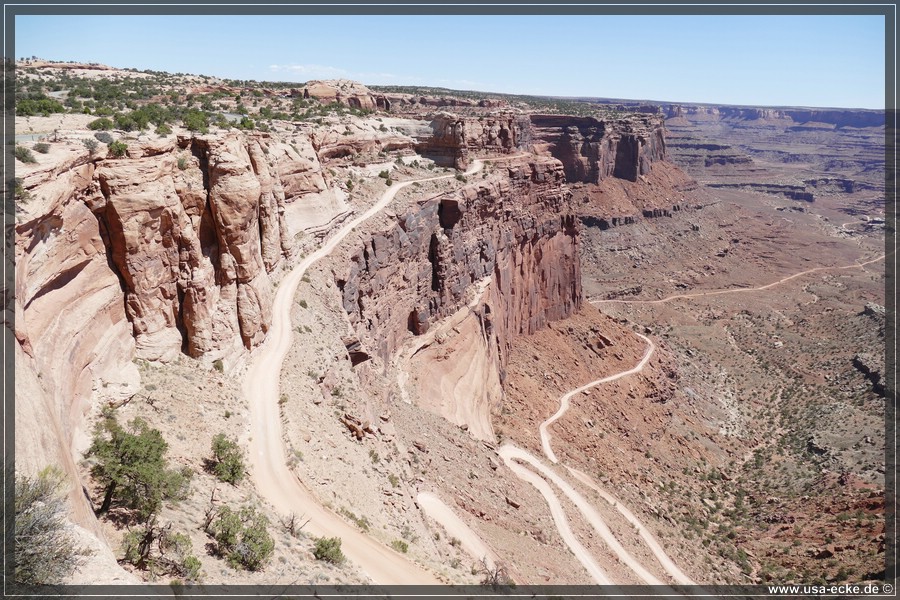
[
  {"x": 164, "y": 250},
  {"x": 594, "y": 149},
  {"x": 455, "y": 139},
  {"x": 836, "y": 116},
  {"x": 518, "y": 230}
]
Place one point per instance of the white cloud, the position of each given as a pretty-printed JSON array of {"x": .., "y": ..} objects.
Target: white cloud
[{"x": 312, "y": 71}]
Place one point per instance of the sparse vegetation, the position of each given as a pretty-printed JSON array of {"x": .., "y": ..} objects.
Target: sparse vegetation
[
  {"x": 242, "y": 537},
  {"x": 400, "y": 546},
  {"x": 90, "y": 144},
  {"x": 130, "y": 464},
  {"x": 329, "y": 550},
  {"x": 118, "y": 149},
  {"x": 42, "y": 147},
  {"x": 228, "y": 458},
  {"x": 24, "y": 155},
  {"x": 46, "y": 552}
]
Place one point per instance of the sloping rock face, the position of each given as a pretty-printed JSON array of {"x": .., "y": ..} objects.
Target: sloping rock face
[
  {"x": 519, "y": 230},
  {"x": 456, "y": 139},
  {"x": 592, "y": 150}
]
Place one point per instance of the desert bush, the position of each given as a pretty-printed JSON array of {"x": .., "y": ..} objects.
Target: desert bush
[
  {"x": 131, "y": 466},
  {"x": 329, "y": 550},
  {"x": 90, "y": 144},
  {"x": 400, "y": 546},
  {"x": 20, "y": 192},
  {"x": 118, "y": 149},
  {"x": 42, "y": 147},
  {"x": 163, "y": 129},
  {"x": 229, "y": 459},
  {"x": 101, "y": 124},
  {"x": 45, "y": 551},
  {"x": 161, "y": 551},
  {"x": 195, "y": 120},
  {"x": 182, "y": 163},
  {"x": 42, "y": 105},
  {"x": 24, "y": 155},
  {"x": 102, "y": 136},
  {"x": 243, "y": 537}
]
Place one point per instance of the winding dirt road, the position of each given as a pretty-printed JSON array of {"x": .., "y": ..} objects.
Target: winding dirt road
[
  {"x": 738, "y": 290},
  {"x": 268, "y": 466},
  {"x": 510, "y": 454},
  {"x": 564, "y": 400}
]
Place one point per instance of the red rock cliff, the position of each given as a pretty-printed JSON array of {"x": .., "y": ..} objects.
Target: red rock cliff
[
  {"x": 593, "y": 149},
  {"x": 518, "y": 229}
]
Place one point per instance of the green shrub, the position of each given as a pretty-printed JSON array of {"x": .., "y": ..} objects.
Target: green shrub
[
  {"x": 131, "y": 466},
  {"x": 400, "y": 546},
  {"x": 118, "y": 149},
  {"x": 163, "y": 129},
  {"x": 243, "y": 537},
  {"x": 42, "y": 147},
  {"x": 45, "y": 552},
  {"x": 24, "y": 155},
  {"x": 329, "y": 550},
  {"x": 195, "y": 120},
  {"x": 229, "y": 459},
  {"x": 182, "y": 163},
  {"x": 218, "y": 365},
  {"x": 101, "y": 124},
  {"x": 102, "y": 136},
  {"x": 20, "y": 192},
  {"x": 460, "y": 177},
  {"x": 42, "y": 105}
]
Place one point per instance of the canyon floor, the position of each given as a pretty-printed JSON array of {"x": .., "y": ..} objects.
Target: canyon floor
[{"x": 704, "y": 416}]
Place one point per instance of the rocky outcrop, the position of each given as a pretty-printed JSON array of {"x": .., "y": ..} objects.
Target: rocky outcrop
[
  {"x": 519, "y": 230},
  {"x": 594, "y": 149},
  {"x": 872, "y": 367},
  {"x": 183, "y": 233},
  {"x": 456, "y": 139},
  {"x": 356, "y": 139},
  {"x": 342, "y": 91}
]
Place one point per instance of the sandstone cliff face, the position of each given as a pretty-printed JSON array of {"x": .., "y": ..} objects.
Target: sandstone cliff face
[
  {"x": 193, "y": 245},
  {"x": 518, "y": 230},
  {"x": 165, "y": 250},
  {"x": 455, "y": 139},
  {"x": 592, "y": 150}
]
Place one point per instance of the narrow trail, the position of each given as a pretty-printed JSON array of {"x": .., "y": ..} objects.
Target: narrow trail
[
  {"x": 268, "y": 465},
  {"x": 565, "y": 398},
  {"x": 509, "y": 453},
  {"x": 738, "y": 290}
]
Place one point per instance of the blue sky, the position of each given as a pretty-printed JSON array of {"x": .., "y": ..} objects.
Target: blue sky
[{"x": 822, "y": 61}]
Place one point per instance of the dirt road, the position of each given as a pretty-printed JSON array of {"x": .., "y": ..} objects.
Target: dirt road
[{"x": 268, "y": 466}]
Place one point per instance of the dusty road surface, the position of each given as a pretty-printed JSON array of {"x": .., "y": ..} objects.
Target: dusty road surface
[
  {"x": 564, "y": 400},
  {"x": 739, "y": 290},
  {"x": 438, "y": 510},
  {"x": 268, "y": 466}
]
